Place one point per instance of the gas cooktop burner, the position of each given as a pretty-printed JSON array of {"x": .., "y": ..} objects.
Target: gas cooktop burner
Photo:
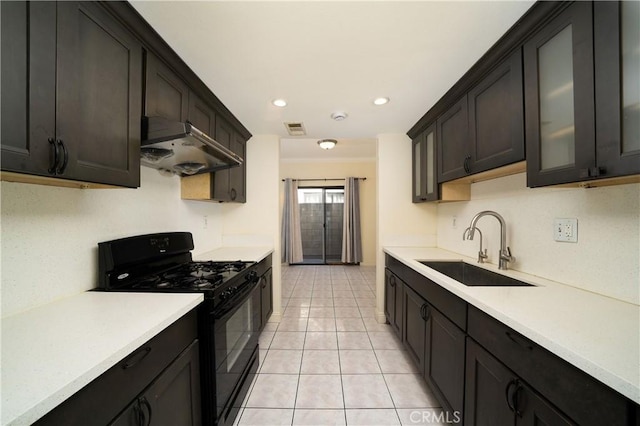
[{"x": 194, "y": 276}]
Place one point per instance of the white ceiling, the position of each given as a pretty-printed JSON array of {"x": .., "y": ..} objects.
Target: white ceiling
[{"x": 327, "y": 56}]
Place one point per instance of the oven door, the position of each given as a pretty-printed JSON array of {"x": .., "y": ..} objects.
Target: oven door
[{"x": 235, "y": 327}]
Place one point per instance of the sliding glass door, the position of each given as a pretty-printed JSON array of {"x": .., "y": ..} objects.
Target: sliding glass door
[{"x": 321, "y": 216}]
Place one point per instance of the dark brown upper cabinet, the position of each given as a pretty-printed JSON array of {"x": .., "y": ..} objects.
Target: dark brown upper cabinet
[
  {"x": 229, "y": 184},
  {"x": 484, "y": 130},
  {"x": 238, "y": 175},
  {"x": 201, "y": 115},
  {"x": 72, "y": 81},
  {"x": 496, "y": 117},
  {"x": 563, "y": 79},
  {"x": 166, "y": 94},
  {"x": 425, "y": 166},
  {"x": 559, "y": 99},
  {"x": 453, "y": 142},
  {"x": 28, "y": 44},
  {"x": 617, "y": 67}
]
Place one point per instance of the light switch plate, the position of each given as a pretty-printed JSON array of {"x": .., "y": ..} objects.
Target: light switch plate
[{"x": 565, "y": 230}]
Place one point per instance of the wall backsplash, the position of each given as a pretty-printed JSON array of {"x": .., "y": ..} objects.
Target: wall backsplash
[
  {"x": 50, "y": 234},
  {"x": 605, "y": 259}
]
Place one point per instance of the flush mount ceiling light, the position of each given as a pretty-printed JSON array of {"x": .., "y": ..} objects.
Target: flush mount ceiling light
[
  {"x": 327, "y": 143},
  {"x": 339, "y": 116},
  {"x": 279, "y": 103},
  {"x": 380, "y": 101}
]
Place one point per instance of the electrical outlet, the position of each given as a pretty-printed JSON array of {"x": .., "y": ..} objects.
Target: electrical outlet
[
  {"x": 205, "y": 222},
  {"x": 565, "y": 230},
  {"x": 454, "y": 221}
]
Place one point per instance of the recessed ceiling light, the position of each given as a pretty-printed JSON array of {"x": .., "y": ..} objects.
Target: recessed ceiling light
[
  {"x": 327, "y": 143},
  {"x": 279, "y": 103},
  {"x": 380, "y": 101}
]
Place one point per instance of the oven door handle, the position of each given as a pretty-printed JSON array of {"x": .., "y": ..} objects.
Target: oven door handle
[{"x": 230, "y": 306}]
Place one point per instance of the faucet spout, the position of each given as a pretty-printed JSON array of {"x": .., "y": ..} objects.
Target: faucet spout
[{"x": 505, "y": 252}]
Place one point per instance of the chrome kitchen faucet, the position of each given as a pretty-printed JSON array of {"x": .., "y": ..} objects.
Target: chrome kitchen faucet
[{"x": 505, "y": 252}]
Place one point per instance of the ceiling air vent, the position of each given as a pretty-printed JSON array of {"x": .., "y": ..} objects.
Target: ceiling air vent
[{"x": 295, "y": 129}]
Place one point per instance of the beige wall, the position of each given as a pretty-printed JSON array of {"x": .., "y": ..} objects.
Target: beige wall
[
  {"x": 400, "y": 221},
  {"x": 321, "y": 170},
  {"x": 256, "y": 222}
]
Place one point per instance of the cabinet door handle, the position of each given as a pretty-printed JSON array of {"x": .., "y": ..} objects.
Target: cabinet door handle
[
  {"x": 233, "y": 193},
  {"x": 143, "y": 419},
  {"x": 392, "y": 281},
  {"x": 510, "y": 395},
  {"x": 65, "y": 160},
  {"x": 136, "y": 357},
  {"x": 56, "y": 153},
  {"x": 424, "y": 312},
  {"x": 597, "y": 171},
  {"x": 264, "y": 280},
  {"x": 466, "y": 164}
]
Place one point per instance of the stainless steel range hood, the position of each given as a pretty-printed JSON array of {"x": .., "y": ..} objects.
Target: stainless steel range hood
[{"x": 182, "y": 149}]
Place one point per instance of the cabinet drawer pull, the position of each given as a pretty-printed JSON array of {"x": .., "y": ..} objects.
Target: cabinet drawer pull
[
  {"x": 136, "y": 357},
  {"x": 56, "y": 153},
  {"x": 519, "y": 341},
  {"x": 65, "y": 160},
  {"x": 466, "y": 164}
]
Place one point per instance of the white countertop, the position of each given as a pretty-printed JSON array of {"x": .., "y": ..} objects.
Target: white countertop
[
  {"x": 229, "y": 254},
  {"x": 51, "y": 352},
  {"x": 595, "y": 333}
]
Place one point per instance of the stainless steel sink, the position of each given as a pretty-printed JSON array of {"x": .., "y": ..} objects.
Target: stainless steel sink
[{"x": 471, "y": 275}]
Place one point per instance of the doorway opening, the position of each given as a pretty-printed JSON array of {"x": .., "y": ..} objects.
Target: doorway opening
[{"x": 321, "y": 217}]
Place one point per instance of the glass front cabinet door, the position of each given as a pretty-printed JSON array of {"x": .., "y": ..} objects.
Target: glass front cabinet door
[
  {"x": 617, "y": 74},
  {"x": 425, "y": 184},
  {"x": 559, "y": 99}
]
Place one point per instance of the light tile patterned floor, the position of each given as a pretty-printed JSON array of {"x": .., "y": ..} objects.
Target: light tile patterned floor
[{"x": 328, "y": 362}]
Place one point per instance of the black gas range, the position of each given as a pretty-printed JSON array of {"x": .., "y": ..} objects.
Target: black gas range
[
  {"x": 228, "y": 319},
  {"x": 163, "y": 263}
]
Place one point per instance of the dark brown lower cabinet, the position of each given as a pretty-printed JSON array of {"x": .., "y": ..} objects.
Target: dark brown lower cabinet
[
  {"x": 486, "y": 373},
  {"x": 414, "y": 325},
  {"x": 393, "y": 288},
  {"x": 497, "y": 396},
  {"x": 266, "y": 296},
  {"x": 157, "y": 384},
  {"x": 444, "y": 361},
  {"x": 172, "y": 399},
  {"x": 437, "y": 346},
  {"x": 265, "y": 283}
]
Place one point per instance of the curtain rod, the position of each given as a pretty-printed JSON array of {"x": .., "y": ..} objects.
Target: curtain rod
[{"x": 325, "y": 179}]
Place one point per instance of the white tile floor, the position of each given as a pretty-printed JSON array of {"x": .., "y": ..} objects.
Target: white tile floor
[{"x": 328, "y": 362}]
